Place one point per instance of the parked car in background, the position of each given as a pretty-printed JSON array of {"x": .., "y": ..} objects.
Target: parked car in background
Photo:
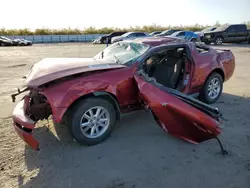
[
  {"x": 201, "y": 33},
  {"x": 4, "y": 41},
  {"x": 187, "y": 35},
  {"x": 167, "y": 32},
  {"x": 129, "y": 36},
  {"x": 103, "y": 39},
  {"x": 155, "y": 74},
  {"x": 228, "y": 34},
  {"x": 22, "y": 42},
  {"x": 155, "y": 33}
]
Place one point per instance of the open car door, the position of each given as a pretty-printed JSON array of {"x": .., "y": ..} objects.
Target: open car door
[{"x": 177, "y": 113}]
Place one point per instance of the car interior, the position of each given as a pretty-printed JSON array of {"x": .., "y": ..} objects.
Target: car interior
[{"x": 167, "y": 67}]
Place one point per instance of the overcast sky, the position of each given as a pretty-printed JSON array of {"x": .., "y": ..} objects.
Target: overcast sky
[{"x": 117, "y": 13}]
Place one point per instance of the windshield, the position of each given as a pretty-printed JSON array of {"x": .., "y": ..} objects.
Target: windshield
[
  {"x": 176, "y": 33},
  {"x": 122, "y": 52},
  {"x": 222, "y": 28},
  {"x": 4, "y": 38},
  {"x": 207, "y": 29},
  {"x": 126, "y": 34}
]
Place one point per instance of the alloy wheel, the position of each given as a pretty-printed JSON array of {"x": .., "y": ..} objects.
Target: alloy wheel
[
  {"x": 95, "y": 122},
  {"x": 214, "y": 88}
]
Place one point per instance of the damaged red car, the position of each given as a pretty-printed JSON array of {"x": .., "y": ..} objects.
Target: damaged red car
[{"x": 160, "y": 74}]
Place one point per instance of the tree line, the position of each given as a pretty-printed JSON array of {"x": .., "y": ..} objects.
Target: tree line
[{"x": 105, "y": 30}]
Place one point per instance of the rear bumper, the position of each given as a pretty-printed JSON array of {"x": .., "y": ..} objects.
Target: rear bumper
[{"x": 23, "y": 125}]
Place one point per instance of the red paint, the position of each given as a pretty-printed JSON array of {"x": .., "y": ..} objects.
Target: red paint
[
  {"x": 181, "y": 119},
  {"x": 177, "y": 117}
]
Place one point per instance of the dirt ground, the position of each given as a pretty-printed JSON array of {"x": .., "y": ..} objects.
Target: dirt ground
[{"x": 138, "y": 154}]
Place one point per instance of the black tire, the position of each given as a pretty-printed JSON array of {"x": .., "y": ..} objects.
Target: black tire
[
  {"x": 207, "y": 43},
  {"x": 204, "y": 96},
  {"x": 75, "y": 118},
  {"x": 2, "y": 44},
  {"x": 104, "y": 41},
  {"x": 218, "y": 41},
  {"x": 248, "y": 41}
]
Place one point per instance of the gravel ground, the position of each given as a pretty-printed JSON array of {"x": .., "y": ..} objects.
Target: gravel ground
[{"x": 138, "y": 154}]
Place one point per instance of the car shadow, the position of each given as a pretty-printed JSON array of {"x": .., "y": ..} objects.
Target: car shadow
[{"x": 61, "y": 162}]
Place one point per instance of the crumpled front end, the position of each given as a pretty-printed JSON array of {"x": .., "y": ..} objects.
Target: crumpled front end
[{"x": 32, "y": 108}]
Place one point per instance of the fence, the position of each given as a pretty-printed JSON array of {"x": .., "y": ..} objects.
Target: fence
[{"x": 58, "y": 38}]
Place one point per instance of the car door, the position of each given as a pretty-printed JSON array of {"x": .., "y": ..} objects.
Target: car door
[
  {"x": 230, "y": 34},
  {"x": 178, "y": 114},
  {"x": 241, "y": 32}
]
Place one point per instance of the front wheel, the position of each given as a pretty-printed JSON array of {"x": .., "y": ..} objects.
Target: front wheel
[
  {"x": 218, "y": 41},
  {"x": 212, "y": 89},
  {"x": 92, "y": 121}
]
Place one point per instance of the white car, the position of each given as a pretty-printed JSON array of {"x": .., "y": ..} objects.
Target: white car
[{"x": 129, "y": 36}]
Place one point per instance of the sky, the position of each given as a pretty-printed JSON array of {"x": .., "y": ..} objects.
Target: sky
[{"x": 32, "y": 14}]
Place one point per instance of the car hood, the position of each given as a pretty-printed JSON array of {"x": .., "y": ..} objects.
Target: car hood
[{"x": 50, "y": 69}]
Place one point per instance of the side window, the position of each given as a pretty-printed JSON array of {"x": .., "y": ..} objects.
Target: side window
[
  {"x": 132, "y": 35},
  {"x": 181, "y": 34},
  {"x": 241, "y": 28},
  {"x": 231, "y": 29},
  {"x": 140, "y": 34}
]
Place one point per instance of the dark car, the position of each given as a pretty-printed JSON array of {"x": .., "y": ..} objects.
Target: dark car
[
  {"x": 156, "y": 74},
  {"x": 168, "y": 32},
  {"x": 4, "y": 41},
  {"x": 228, "y": 34},
  {"x": 103, "y": 39}
]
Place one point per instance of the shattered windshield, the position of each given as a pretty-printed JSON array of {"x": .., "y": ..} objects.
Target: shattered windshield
[{"x": 122, "y": 52}]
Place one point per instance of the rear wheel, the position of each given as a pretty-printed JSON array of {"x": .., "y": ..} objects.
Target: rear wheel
[
  {"x": 212, "y": 89},
  {"x": 248, "y": 40},
  {"x": 218, "y": 41},
  {"x": 92, "y": 121}
]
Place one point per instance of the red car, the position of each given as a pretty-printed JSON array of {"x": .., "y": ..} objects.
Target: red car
[{"x": 157, "y": 74}]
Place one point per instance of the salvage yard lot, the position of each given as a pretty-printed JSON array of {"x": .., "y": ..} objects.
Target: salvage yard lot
[{"x": 138, "y": 154}]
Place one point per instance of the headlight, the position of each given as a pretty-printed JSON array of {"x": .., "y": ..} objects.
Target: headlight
[{"x": 208, "y": 36}]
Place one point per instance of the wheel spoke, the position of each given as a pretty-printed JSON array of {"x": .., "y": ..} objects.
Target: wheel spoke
[
  {"x": 97, "y": 129},
  {"x": 101, "y": 114},
  {"x": 98, "y": 112},
  {"x": 103, "y": 120},
  {"x": 92, "y": 132},
  {"x": 86, "y": 116},
  {"x": 86, "y": 124},
  {"x": 100, "y": 124},
  {"x": 91, "y": 113},
  {"x": 86, "y": 129}
]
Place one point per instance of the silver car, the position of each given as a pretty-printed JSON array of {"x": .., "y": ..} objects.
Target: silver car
[{"x": 129, "y": 36}]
